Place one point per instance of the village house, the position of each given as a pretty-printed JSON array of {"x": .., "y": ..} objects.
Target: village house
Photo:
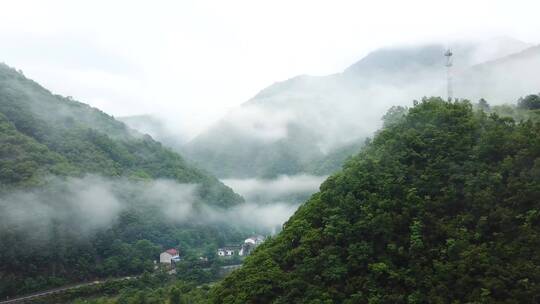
[
  {"x": 169, "y": 256},
  {"x": 250, "y": 244},
  {"x": 244, "y": 249},
  {"x": 255, "y": 240}
]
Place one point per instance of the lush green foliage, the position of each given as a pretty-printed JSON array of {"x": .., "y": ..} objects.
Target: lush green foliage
[
  {"x": 190, "y": 285},
  {"x": 145, "y": 289},
  {"x": 178, "y": 293},
  {"x": 441, "y": 207},
  {"x": 23, "y": 159},
  {"x": 46, "y": 137},
  {"x": 84, "y": 140}
]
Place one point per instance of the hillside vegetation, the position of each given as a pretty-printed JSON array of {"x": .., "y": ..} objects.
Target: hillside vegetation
[
  {"x": 73, "y": 199},
  {"x": 79, "y": 139},
  {"x": 442, "y": 206}
]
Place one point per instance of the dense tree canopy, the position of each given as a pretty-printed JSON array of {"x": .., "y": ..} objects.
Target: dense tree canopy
[{"x": 441, "y": 207}]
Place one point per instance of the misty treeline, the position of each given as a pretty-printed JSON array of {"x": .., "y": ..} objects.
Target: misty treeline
[
  {"x": 83, "y": 228},
  {"x": 92, "y": 226},
  {"x": 44, "y": 134}
]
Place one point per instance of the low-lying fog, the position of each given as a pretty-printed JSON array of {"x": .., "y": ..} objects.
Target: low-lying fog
[
  {"x": 270, "y": 202},
  {"x": 291, "y": 189},
  {"x": 91, "y": 203}
]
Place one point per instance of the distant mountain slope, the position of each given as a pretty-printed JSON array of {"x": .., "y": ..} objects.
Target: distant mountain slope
[
  {"x": 402, "y": 61},
  {"x": 290, "y": 125},
  {"x": 502, "y": 80},
  {"x": 82, "y": 196},
  {"x": 442, "y": 207},
  {"x": 23, "y": 159}
]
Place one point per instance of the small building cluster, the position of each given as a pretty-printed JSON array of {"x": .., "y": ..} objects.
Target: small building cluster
[
  {"x": 242, "y": 250},
  {"x": 171, "y": 256}
]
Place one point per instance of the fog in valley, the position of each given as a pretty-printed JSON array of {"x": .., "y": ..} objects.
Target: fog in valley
[
  {"x": 278, "y": 146},
  {"x": 281, "y": 189},
  {"x": 92, "y": 203}
]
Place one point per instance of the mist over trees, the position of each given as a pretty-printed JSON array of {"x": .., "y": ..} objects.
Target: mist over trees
[
  {"x": 78, "y": 139},
  {"x": 83, "y": 196},
  {"x": 304, "y": 124}
]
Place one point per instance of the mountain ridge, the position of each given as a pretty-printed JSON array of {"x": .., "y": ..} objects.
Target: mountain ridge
[
  {"x": 335, "y": 110},
  {"x": 53, "y": 121}
]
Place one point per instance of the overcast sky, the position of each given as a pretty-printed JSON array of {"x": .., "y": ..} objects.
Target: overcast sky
[{"x": 194, "y": 60}]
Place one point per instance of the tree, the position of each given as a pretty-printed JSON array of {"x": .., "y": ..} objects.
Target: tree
[
  {"x": 394, "y": 115},
  {"x": 530, "y": 102},
  {"x": 175, "y": 296},
  {"x": 483, "y": 105}
]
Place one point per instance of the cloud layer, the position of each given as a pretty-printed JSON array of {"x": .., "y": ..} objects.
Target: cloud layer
[
  {"x": 92, "y": 203},
  {"x": 191, "y": 61},
  {"x": 281, "y": 188}
]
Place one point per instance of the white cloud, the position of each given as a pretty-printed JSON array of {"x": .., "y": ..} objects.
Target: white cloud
[
  {"x": 191, "y": 61},
  {"x": 268, "y": 190},
  {"x": 260, "y": 123},
  {"x": 270, "y": 202},
  {"x": 93, "y": 202}
]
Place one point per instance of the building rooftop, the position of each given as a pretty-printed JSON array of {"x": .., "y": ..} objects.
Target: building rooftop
[{"x": 172, "y": 251}]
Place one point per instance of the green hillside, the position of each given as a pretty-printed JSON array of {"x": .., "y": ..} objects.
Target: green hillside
[
  {"x": 87, "y": 140},
  {"x": 441, "y": 207},
  {"x": 55, "y": 153}
]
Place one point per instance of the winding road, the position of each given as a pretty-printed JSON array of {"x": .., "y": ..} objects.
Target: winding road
[{"x": 40, "y": 294}]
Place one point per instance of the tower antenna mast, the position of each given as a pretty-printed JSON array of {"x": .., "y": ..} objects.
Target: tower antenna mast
[{"x": 448, "y": 54}]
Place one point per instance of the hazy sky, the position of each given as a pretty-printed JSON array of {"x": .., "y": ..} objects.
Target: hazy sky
[{"x": 193, "y": 60}]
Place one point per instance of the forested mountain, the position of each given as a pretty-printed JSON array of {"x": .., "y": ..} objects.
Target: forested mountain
[
  {"x": 83, "y": 196},
  {"x": 85, "y": 140},
  {"x": 442, "y": 206},
  {"x": 291, "y": 125}
]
